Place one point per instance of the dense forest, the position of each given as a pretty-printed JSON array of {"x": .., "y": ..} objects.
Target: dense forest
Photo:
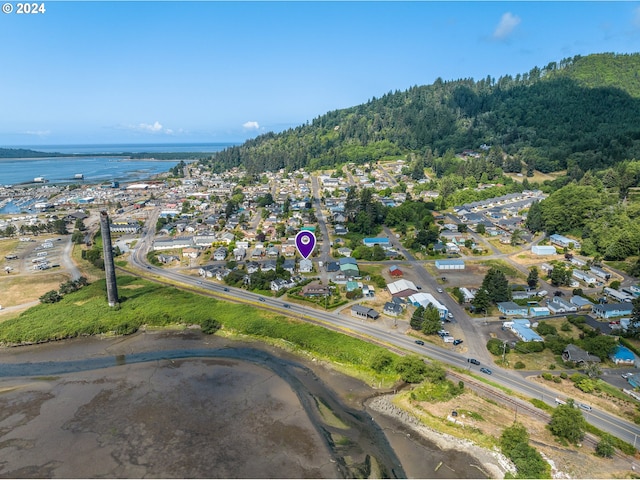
[{"x": 581, "y": 111}]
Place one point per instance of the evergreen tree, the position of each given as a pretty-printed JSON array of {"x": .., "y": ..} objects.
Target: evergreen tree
[
  {"x": 534, "y": 218},
  {"x": 481, "y": 301},
  {"x": 532, "y": 279},
  {"x": 417, "y": 318},
  {"x": 496, "y": 285},
  {"x": 431, "y": 323}
]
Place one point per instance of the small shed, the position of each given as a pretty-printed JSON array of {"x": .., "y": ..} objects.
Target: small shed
[{"x": 395, "y": 271}]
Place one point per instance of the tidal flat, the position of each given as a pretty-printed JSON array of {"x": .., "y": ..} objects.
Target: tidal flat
[{"x": 180, "y": 404}]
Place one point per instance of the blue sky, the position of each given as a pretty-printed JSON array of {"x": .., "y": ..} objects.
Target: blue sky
[{"x": 153, "y": 72}]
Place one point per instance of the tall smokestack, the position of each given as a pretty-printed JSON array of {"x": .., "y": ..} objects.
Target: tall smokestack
[{"x": 109, "y": 267}]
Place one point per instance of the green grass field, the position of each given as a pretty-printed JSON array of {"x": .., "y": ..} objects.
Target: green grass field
[{"x": 85, "y": 312}]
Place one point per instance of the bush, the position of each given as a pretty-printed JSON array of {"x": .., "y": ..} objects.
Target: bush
[
  {"x": 557, "y": 379},
  {"x": 552, "y": 366},
  {"x": 210, "y": 326},
  {"x": 519, "y": 366},
  {"x": 547, "y": 376},
  {"x": 564, "y": 375},
  {"x": 546, "y": 329},
  {"x": 605, "y": 447},
  {"x": 497, "y": 346}
]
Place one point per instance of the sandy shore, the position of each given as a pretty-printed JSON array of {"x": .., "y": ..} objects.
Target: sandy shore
[{"x": 287, "y": 417}]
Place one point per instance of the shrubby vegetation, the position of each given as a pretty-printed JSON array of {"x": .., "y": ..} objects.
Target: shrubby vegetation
[{"x": 514, "y": 443}]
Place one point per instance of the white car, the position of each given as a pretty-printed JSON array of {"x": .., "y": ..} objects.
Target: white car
[{"x": 440, "y": 290}]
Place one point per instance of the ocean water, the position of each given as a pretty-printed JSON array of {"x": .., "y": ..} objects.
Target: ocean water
[
  {"x": 88, "y": 149},
  {"x": 95, "y": 169}
]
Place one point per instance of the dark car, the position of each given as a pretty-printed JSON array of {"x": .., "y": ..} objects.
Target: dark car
[
  {"x": 485, "y": 370},
  {"x": 261, "y": 299},
  {"x": 473, "y": 360},
  {"x": 225, "y": 289},
  {"x": 286, "y": 305},
  {"x": 502, "y": 318},
  {"x": 457, "y": 341},
  {"x": 419, "y": 342}
]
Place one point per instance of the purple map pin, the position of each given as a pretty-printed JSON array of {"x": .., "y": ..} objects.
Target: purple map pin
[{"x": 305, "y": 242}]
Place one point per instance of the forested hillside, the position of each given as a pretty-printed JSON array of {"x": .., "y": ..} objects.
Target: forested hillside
[{"x": 582, "y": 111}]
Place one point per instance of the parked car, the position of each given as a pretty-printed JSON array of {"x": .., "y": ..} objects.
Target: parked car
[
  {"x": 449, "y": 315},
  {"x": 457, "y": 341},
  {"x": 502, "y": 317},
  {"x": 419, "y": 342},
  {"x": 485, "y": 370},
  {"x": 440, "y": 290},
  {"x": 473, "y": 360}
]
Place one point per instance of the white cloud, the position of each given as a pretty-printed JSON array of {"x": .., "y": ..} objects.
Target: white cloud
[
  {"x": 38, "y": 133},
  {"x": 508, "y": 23},
  {"x": 153, "y": 128},
  {"x": 635, "y": 20},
  {"x": 251, "y": 125}
]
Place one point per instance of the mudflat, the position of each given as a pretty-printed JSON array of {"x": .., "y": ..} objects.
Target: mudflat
[{"x": 246, "y": 411}]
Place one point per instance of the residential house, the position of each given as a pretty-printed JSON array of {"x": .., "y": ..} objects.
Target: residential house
[
  {"x": 220, "y": 254},
  {"x": 305, "y": 266},
  {"x": 611, "y": 310},
  {"x": 208, "y": 271},
  {"x": 521, "y": 328},
  {"x": 468, "y": 294},
  {"x": 584, "y": 277},
  {"x": 623, "y": 356},
  {"x": 573, "y": 353},
  {"x": 538, "y": 311},
  {"x": 382, "y": 241},
  {"x": 512, "y": 309},
  {"x": 315, "y": 290},
  {"x": 281, "y": 284},
  {"x": 269, "y": 266},
  {"x": 563, "y": 241},
  {"x": 392, "y": 309},
  {"x": 191, "y": 252},
  {"x": 421, "y": 299},
  {"x": 167, "y": 258},
  {"x": 289, "y": 265},
  {"x": 558, "y": 305},
  {"x": 581, "y": 302},
  {"x": 253, "y": 267}
]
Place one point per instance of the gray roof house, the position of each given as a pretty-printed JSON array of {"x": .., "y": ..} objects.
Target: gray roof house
[{"x": 573, "y": 353}]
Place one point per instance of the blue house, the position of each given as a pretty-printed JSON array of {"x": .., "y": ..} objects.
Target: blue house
[
  {"x": 610, "y": 310},
  {"x": 521, "y": 328},
  {"x": 512, "y": 308},
  {"x": 623, "y": 356},
  {"x": 382, "y": 241}
]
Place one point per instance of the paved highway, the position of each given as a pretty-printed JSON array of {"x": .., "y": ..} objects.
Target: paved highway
[{"x": 622, "y": 429}]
